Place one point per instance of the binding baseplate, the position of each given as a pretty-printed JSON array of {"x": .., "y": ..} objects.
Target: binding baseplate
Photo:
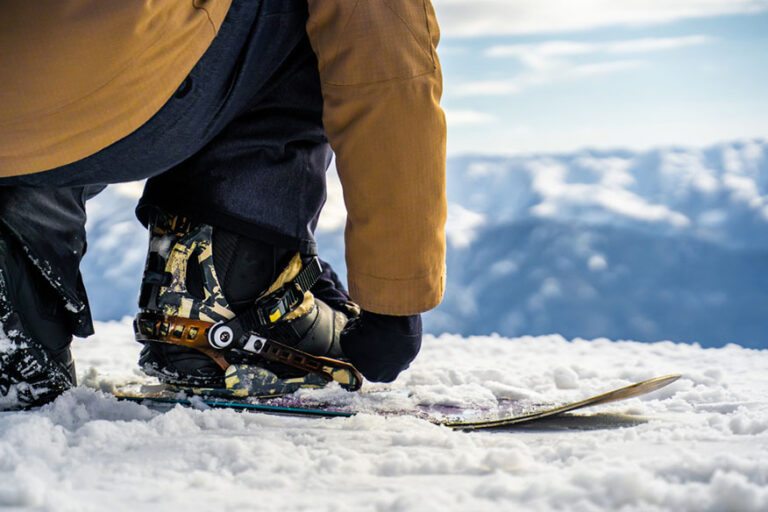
[{"x": 247, "y": 375}]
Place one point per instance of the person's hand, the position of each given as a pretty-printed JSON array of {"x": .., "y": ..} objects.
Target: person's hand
[{"x": 381, "y": 346}]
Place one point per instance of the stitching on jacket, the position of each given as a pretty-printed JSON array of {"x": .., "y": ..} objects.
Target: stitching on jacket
[
  {"x": 388, "y": 80},
  {"x": 428, "y": 52},
  {"x": 429, "y": 32},
  {"x": 335, "y": 54},
  {"x": 413, "y": 34},
  {"x": 396, "y": 279}
]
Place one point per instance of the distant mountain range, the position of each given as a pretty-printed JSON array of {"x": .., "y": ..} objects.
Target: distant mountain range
[{"x": 665, "y": 244}]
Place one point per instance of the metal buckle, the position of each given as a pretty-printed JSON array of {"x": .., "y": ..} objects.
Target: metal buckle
[
  {"x": 280, "y": 302},
  {"x": 255, "y": 344}
]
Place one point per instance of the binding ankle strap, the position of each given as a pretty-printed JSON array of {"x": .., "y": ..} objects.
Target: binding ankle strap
[{"x": 263, "y": 316}]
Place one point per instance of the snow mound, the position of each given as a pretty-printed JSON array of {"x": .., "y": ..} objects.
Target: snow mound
[{"x": 699, "y": 444}]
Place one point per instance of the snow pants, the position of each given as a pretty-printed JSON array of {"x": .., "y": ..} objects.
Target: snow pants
[{"x": 240, "y": 145}]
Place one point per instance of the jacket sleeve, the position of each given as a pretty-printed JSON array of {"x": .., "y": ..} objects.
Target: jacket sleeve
[{"x": 381, "y": 84}]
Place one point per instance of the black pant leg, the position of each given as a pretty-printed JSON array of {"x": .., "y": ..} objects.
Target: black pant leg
[{"x": 49, "y": 223}]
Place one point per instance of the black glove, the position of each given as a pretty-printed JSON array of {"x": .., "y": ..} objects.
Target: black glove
[
  {"x": 381, "y": 346},
  {"x": 329, "y": 289}
]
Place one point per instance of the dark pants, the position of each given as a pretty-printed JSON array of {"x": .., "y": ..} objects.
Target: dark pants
[{"x": 240, "y": 145}]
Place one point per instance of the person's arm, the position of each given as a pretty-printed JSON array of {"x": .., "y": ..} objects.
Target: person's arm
[{"x": 381, "y": 84}]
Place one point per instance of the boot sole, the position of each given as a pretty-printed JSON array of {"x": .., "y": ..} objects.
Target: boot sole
[
  {"x": 166, "y": 377},
  {"x": 152, "y": 367}
]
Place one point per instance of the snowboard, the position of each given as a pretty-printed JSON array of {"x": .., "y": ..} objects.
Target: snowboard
[{"x": 506, "y": 415}]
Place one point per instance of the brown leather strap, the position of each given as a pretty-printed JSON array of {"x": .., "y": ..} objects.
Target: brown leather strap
[{"x": 194, "y": 334}]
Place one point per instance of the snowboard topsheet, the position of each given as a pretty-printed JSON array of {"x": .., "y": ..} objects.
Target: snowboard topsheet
[{"x": 160, "y": 397}]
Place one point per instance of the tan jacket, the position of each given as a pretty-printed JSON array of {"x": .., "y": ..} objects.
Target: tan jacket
[{"x": 65, "y": 98}]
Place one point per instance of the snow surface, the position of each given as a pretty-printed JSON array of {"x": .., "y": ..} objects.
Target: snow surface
[{"x": 703, "y": 444}]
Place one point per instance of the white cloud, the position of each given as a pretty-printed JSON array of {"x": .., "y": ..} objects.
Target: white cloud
[
  {"x": 132, "y": 189},
  {"x": 601, "y": 68},
  {"x": 652, "y": 44},
  {"x": 535, "y": 54},
  {"x": 334, "y": 215},
  {"x": 544, "y": 74},
  {"x": 467, "y": 117},
  {"x": 478, "y": 18},
  {"x": 548, "y": 62},
  {"x": 489, "y": 88}
]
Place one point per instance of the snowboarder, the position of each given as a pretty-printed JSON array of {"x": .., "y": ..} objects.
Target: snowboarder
[{"x": 230, "y": 108}]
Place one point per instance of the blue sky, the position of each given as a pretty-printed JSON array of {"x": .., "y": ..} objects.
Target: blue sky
[{"x": 525, "y": 76}]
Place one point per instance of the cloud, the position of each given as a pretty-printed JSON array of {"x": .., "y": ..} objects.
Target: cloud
[
  {"x": 548, "y": 62},
  {"x": 467, "y": 117},
  {"x": 132, "y": 190},
  {"x": 543, "y": 75},
  {"x": 655, "y": 44},
  {"x": 334, "y": 215},
  {"x": 481, "y": 18},
  {"x": 489, "y": 88},
  {"x": 535, "y": 54}
]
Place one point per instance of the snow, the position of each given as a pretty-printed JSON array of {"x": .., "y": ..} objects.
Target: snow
[
  {"x": 699, "y": 444},
  {"x": 462, "y": 225}
]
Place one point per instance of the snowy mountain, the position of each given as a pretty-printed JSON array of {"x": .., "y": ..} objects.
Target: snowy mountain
[{"x": 665, "y": 244}]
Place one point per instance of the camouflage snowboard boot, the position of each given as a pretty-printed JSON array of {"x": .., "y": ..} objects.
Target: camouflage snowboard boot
[
  {"x": 230, "y": 315},
  {"x": 36, "y": 365}
]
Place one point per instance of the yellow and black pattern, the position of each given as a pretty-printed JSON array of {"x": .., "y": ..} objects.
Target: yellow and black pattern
[
  {"x": 176, "y": 242},
  {"x": 175, "y": 245},
  {"x": 244, "y": 380},
  {"x": 175, "y": 299}
]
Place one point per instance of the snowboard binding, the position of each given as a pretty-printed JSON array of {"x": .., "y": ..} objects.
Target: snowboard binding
[{"x": 283, "y": 340}]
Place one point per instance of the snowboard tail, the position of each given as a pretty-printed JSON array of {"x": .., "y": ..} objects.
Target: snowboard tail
[{"x": 624, "y": 393}]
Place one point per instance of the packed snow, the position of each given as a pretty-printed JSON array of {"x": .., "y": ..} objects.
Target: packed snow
[{"x": 699, "y": 444}]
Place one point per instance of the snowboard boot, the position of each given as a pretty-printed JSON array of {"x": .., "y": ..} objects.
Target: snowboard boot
[
  {"x": 200, "y": 279},
  {"x": 36, "y": 364}
]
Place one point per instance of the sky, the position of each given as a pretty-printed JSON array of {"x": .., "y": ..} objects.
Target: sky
[{"x": 531, "y": 76}]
